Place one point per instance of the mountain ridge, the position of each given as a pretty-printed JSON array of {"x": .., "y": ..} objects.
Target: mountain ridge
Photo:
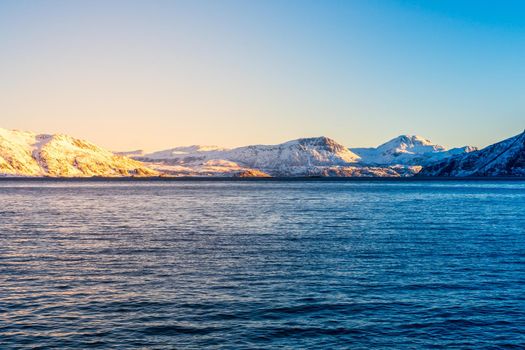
[
  {"x": 313, "y": 156},
  {"x": 57, "y": 155}
]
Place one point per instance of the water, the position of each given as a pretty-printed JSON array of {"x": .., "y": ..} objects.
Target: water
[{"x": 262, "y": 265}]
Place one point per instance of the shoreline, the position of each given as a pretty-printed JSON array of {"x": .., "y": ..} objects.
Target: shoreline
[{"x": 262, "y": 179}]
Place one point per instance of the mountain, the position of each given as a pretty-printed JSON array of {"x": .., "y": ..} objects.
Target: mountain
[
  {"x": 505, "y": 158},
  {"x": 307, "y": 152},
  {"x": 318, "y": 156},
  {"x": 28, "y": 154},
  {"x": 407, "y": 150}
]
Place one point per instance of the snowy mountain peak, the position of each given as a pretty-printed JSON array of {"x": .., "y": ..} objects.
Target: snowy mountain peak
[
  {"x": 321, "y": 142},
  {"x": 407, "y": 150},
  {"x": 410, "y": 144}
]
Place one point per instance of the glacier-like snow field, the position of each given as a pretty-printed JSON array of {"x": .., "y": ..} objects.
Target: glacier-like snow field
[{"x": 262, "y": 264}]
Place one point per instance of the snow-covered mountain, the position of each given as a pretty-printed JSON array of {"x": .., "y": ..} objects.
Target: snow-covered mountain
[
  {"x": 318, "y": 156},
  {"x": 505, "y": 158},
  {"x": 28, "y": 154},
  {"x": 308, "y": 152},
  {"x": 407, "y": 150}
]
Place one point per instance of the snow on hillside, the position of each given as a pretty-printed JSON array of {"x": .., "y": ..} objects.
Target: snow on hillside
[
  {"x": 213, "y": 167},
  {"x": 407, "y": 150},
  {"x": 320, "y": 156},
  {"x": 293, "y": 158},
  {"x": 319, "y": 151},
  {"x": 28, "y": 154},
  {"x": 505, "y": 158}
]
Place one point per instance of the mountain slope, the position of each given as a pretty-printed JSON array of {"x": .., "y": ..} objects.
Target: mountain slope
[
  {"x": 407, "y": 150},
  {"x": 505, "y": 158},
  {"x": 28, "y": 154}
]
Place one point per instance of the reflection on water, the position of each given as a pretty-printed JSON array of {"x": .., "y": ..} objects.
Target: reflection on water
[{"x": 262, "y": 265}]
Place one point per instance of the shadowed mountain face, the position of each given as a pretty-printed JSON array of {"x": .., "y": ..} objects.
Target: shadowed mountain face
[
  {"x": 505, "y": 158},
  {"x": 29, "y": 154}
]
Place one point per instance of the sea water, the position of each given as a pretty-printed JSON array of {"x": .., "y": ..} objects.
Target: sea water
[{"x": 262, "y": 264}]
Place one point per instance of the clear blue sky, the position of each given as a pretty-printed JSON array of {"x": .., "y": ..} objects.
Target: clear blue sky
[{"x": 155, "y": 74}]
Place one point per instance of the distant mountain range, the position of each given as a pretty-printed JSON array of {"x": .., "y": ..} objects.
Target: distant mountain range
[
  {"x": 320, "y": 156},
  {"x": 29, "y": 154}
]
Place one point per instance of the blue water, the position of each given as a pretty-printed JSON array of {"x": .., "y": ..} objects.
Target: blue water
[{"x": 262, "y": 265}]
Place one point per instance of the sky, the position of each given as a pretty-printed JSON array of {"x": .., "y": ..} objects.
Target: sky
[{"x": 156, "y": 74}]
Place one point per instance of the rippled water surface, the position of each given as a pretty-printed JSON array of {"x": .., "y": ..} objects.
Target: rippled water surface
[{"x": 262, "y": 265}]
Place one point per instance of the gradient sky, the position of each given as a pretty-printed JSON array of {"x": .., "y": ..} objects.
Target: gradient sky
[{"x": 156, "y": 74}]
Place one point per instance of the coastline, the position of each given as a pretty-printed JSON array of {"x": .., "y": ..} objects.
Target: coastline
[{"x": 262, "y": 179}]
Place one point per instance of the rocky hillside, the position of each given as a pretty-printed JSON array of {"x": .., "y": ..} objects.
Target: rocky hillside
[
  {"x": 29, "y": 154},
  {"x": 505, "y": 158}
]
